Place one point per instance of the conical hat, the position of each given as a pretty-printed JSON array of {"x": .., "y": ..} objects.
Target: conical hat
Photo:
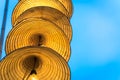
[
  {"x": 49, "y": 65},
  {"x": 26, "y": 4},
  {"x": 38, "y": 32},
  {"x": 49, "y": 14},
  {"x": 67, "y": 4}
]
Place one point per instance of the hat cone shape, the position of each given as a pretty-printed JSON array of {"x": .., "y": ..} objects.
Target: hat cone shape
[{"x": 38, "y": 45}]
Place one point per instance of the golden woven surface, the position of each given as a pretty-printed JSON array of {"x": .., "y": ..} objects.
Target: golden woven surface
[
  {"x": 50, "y": 14},
  {"x": 49, "y": 64},
  {"x": 38, "y": 45},
  {"x": 38, "y": 32},
  {"x": 26, "y": 4},
  {"x": 67, "y": 4}
]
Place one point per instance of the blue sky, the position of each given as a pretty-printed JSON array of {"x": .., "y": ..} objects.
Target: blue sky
[{"x": 96, "y": 39}]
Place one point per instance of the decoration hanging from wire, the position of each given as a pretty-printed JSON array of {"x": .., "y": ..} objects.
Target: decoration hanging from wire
[{"x": 38, "y": 45}]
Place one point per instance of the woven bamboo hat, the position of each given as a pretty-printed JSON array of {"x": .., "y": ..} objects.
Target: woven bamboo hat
[
  {"x": 44, "y": 61},
  {"x": 23, "y": 5},
  {"x": 50, "y": 14},
  {"x": 38, "y": 32}
]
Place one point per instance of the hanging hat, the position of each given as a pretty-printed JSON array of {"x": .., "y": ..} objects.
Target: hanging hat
[
  {"x": 45, "y": 63},
  {"x": 67, "y": 4},
  {"x": 26, "y": 4},
  {"x": 38, "y": 32},
  {"x": 50, "y": 14}
]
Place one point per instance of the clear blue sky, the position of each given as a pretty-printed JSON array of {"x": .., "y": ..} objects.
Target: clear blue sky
[{"x": 96, "y": 39}]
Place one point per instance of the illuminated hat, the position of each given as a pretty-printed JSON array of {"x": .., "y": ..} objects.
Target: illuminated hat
[
  {"x": 49, "y": 14},
  {"x": 67, "y": 5},
  {"x": 40, "y": 62},
  {"x": 23, "y": 5},
  {"x": 38, "y": 32},
  {"x": 38, "y": 45}
]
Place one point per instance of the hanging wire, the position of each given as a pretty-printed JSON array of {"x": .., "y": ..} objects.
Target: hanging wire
[
  {"x": 3, "y": 27},
  {"x": 33, "y": 71}
]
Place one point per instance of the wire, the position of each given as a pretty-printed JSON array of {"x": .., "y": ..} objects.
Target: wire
[
  {"x": 3, "y": 27},
  {"x": 33, "y": 71}
]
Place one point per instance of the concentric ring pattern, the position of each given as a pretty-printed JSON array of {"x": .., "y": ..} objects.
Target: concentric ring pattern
[
  {"x": 26, "y": 4},
  {"x": 51, "y": 66},
  {"x": 39, "y": 42},
  {"x": 38, "y": 32},
  {"x": 47, "y": 13}
]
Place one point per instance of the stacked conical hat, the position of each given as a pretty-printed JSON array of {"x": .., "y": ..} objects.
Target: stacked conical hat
[{"x": 39, "y": 41}]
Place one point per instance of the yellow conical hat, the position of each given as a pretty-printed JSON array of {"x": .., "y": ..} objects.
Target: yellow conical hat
[
  {"x": 49, "y": 14},
  {"x": 67, "y": 4},
  {"x": 38, "y": 32},
  {"x": 26, "y": 4},
  {"x": 48, "y": 64}
]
